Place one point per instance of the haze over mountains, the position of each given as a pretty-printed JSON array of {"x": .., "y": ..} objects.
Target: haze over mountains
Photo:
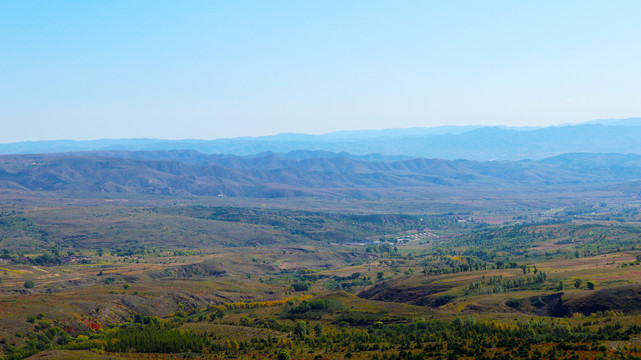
[
  {"x": 368, "y": 164},
  {"x": 480, "y": 143},
  {"x": 303, "y": 174}
]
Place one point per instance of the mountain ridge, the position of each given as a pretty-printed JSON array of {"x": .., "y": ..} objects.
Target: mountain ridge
[
  {"x": 271, "y": 175},
  {"x": 480, "y": 143}
]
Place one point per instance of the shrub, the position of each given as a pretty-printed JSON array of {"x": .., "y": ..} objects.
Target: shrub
[
  {"x": 513, "y": 303},
  {"x": 538, "y": 302},
  {"x": 301, "y": 286},
  {"x": 444, "y": 299}
]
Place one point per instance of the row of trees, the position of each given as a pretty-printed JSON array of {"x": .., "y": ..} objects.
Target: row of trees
[
  {"x": 589, "y": 284},
  {"x": 461, "y": 338}
]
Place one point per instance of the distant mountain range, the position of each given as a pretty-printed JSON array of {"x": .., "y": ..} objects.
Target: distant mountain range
[
  {"x": 301, "y": 174},
  {"x": 480, "y": 143}
]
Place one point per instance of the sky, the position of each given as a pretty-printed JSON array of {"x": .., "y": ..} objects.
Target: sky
[{"x": 214, "y": 69}]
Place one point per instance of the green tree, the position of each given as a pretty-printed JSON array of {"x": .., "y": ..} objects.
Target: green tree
[
  {"x": 591, "y": 285},
  {"x": 29, "y": 284},
  {"x": 300, "y": 329},
  {"x": 318, "y": 329},
  {"x": 577, "y": 283},
  {"x": 284, "y": 355}
]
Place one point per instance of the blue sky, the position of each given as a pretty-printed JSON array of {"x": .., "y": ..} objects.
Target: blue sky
[{"x": 212, "y": 69}]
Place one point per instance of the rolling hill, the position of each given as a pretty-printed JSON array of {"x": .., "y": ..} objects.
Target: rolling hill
[{"x": 272, "y": 175}]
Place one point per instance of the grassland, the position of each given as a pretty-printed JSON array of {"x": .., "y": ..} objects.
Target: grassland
[{"x": 242, "y": 280}]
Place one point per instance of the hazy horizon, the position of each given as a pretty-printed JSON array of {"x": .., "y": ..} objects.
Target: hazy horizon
[
  {"x": 211, "y": 70},
  {"x": 523, "y": 127}
]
